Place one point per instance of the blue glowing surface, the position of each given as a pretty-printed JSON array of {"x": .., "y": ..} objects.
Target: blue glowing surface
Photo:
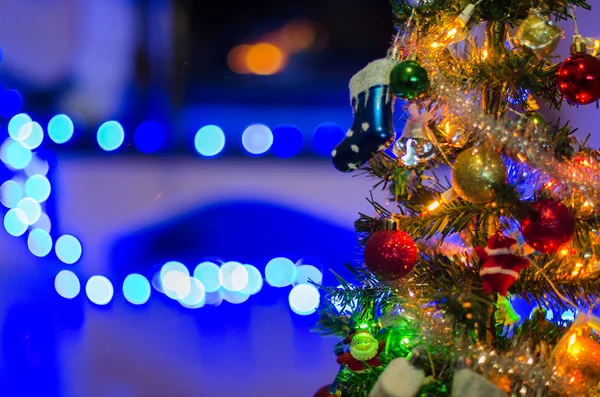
[
  {"x": 110, "y": 136},
  {"x": 61, "y": 128},
  {"x": 209, "y": 141},
  {"x": 10, "y": 103},
  {"x": 149, "y": 137}
]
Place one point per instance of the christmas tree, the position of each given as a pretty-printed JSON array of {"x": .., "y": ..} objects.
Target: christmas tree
[{"x": 429, "y": 312}]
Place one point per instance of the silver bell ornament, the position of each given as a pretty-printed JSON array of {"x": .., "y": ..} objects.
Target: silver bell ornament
[{"x": 415, "y": 146}]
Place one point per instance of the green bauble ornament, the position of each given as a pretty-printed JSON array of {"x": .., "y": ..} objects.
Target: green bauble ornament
[
  {"x": 536, "y": 118},
  {"x": 409, "y": 80}
]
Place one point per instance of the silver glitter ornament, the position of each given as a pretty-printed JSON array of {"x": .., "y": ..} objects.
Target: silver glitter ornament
[{"x": 414, "y": 146}]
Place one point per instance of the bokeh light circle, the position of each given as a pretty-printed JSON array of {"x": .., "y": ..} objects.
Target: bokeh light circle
[
  {"x": 175, "y": 280},
  {"x": 264, "y": 59},
  {"x": 18, "y": 156},
  {"x": 37, "y": 166},
  {"x": 235, "y": 276},
  {"x": 234, "y": 297},
  {"x": 110, "y": 135},
  {"x": 308, "y": 273},
  {"x": 326, "y": 138},
  {"x": 280, "y": 272},
  {"x": 255, "y": 281},
  {"x": 99, "y": 290},
  {"x": 68, "y": 249},
  {"x": 287, "y": 141},
  {"x": 61, "y": 128},
  {"x": 11, "y": 103},
  {"x": 67, "y": 284},
  {"x": 209, "y": 141},
  {"x": 31, "y": 209},
  {"x": 38, "y": 188},
  {"x": 136, "y": 289},
  {"x": 10, "y": 194},
  {"x": 19, "y": 127},
  {"x": 39, "y": 242},
  {"x": 196, "y": 297},
  {"x": 257, "y": 139},
  {"x": 35, "y": 137},
  {"x": 149, "y": 137},
  {"x": 304, "y": 299},
  {"x": 15, "y": 222},
  {"x": 43, "y": 223},
  {"x": 210, "y": 275}
]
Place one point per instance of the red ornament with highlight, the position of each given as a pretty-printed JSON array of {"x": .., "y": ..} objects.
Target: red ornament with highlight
[
  {"x": 390, "y": 254},
  {"x": 549, "y": 228},
  {"x": 578, "y": 79}
]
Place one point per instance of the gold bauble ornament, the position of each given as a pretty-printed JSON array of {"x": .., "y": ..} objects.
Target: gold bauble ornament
[
  {"x": 476, "y": 173},
  {"x": 577, "y": 356},
  {"x": 539, "y": 33}
]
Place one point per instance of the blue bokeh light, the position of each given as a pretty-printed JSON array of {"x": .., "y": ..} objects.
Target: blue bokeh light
[
  {"x": 18, "y": 156},
  {"x": 255, "y": 281},
  {"x": 304, "y": 299},
  {"x": 99, "y": 290},
  {"x": 196, "y": 297},
  {"x": 38, "y": 188},
  {"x": 136, "y": 289},
  {"x": 43, "y": 223},
  {"x": 37, "y": 166},
  {"x": 257, "y": 139},
  {"x": 68, "y": 249},
  {"x": 326, "y": 138},
  {"x": 39, "y": 242},
  {"x": 35, "y": 135},
  {"x": 31, "y": 209},
  {"x": 19, "y": 126},
  {"x": 306, "y": 273},
  {"x": 149, "y": 137},
  {"x": 61, "y": 128},
  {"x": 67, "y": 284},
  {"x": 210, "y": 275},
  {"x": 209, "y": 141},
  {"x": 287, "y": 141},
  {"x": 235, "y": 276},
  {"x": 10, "y": 103},
  {"x": 175, "y": 280},
  {"x": 234, "y": 297},
  {"x": 10, "y": 194},
  {"x": 110, "y": 136},
  {"x": 15, "y": 222},
  {"x": 280, "y": 272}
]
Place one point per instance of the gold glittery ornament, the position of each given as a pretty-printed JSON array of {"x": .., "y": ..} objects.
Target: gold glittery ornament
[
  {"x": 577, "y": 356},
  {"x": 539, "y": 33},
  {"x": 476, "y": 173}
]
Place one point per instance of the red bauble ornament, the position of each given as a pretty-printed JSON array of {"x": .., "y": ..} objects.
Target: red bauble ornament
[
  {"x": 549, "y": 228},
  {"x": 578, "y": 79},
  {"x": 390, "y": 254}
]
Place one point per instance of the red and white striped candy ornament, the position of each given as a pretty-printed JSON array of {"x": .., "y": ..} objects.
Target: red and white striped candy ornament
[{"x": 500, "y": 266}]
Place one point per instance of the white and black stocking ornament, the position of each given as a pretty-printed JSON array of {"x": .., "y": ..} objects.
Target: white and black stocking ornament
[
  {"x": 373, "y": 128},
  {"x": 415, "y": 146},
  {"x": 468, "y": 383},
  {"x": 401, "y": 378}
]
